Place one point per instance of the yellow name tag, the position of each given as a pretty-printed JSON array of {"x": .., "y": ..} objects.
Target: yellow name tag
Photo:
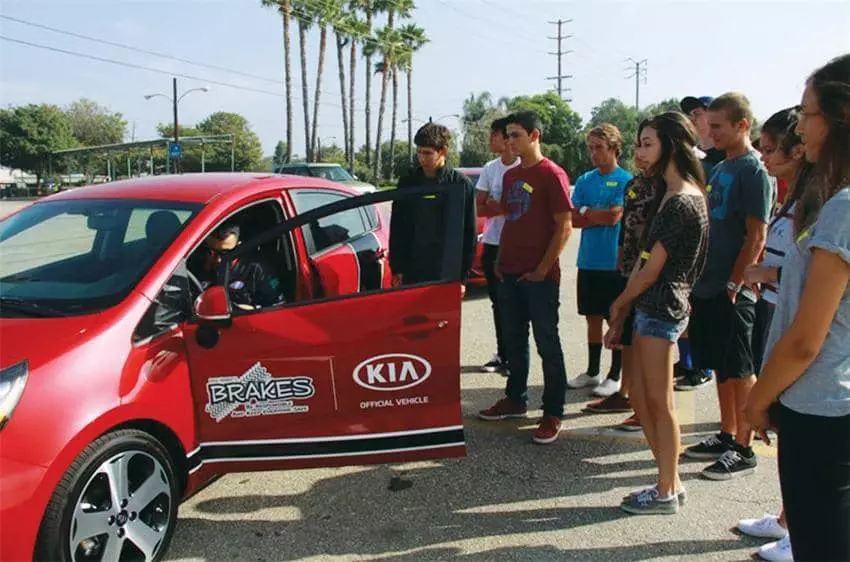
[
  {"x": 528, "y": 188},
  {"x": 429, "y": 197},
  {"x": 631, "y": 194},
  {"x": 644, "y": 255},
  {"x": 708, "y": 188},
  {"x": 803, "y": 235},
  {"x": 612, "y": 183}
]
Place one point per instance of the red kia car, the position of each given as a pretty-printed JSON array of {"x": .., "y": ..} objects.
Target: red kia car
[
  {"x": 127, "y": 384},
  {"x": 476, "y": 273}
]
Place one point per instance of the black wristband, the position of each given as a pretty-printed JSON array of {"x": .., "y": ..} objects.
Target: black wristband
[{"x": 779, "y": 274}]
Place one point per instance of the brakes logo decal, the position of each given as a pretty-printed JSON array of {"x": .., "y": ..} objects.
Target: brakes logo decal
[
  {"x": 391, "y": 372},
  {"x": 257, "y": 393}
]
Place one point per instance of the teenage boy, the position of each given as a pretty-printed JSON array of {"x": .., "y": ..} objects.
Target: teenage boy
[
  {"x": 488, "y": 194},
  {"x": 740, "y": 198},
  {"x": 537, "y": 207},
  {"x": 416, "y": 226},
  {"x": 600, "y": 196}
]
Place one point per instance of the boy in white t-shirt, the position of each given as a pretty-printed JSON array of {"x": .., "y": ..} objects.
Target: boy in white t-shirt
[{"x": 488, "y": 195}]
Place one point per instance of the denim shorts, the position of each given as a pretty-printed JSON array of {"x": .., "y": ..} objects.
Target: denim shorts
[{"x": 650, "y": 327}]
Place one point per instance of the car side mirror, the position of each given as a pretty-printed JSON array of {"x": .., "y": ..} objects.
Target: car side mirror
[{"x": 212, "y": 307}]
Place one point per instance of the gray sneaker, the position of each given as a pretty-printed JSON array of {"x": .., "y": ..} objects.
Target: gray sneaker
[
  {"x": 681, "y": 495},
  {"x": 647, "y": 503}
]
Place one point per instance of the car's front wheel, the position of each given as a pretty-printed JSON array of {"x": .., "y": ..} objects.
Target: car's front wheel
[{"x": 117, "y": 501}]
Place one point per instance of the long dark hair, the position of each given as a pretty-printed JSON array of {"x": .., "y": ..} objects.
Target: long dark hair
[
  {"x": 831, "y": 85},
  {"x": 678, "y": 139},
  {"x": 781, "y": 127}
]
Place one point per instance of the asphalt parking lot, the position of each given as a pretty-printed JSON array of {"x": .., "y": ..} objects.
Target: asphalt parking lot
[{"x": 507, "y": 500}]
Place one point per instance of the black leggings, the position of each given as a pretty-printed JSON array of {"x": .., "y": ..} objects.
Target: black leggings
[{"x": 814, "y": 472}]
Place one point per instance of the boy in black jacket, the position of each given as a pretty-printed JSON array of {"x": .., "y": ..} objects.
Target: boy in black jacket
[{"x": 416, "y": 225}]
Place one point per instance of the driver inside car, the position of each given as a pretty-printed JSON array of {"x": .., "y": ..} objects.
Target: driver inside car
[{"x": 249, "y": 286}]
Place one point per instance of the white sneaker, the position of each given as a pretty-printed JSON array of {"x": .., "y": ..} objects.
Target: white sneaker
[
  {"x": 584, "y": 380},
  {"x": 779, "y": 551},
  {"x": 767, "y": 527},
  {"x": 607, "y": 388}
]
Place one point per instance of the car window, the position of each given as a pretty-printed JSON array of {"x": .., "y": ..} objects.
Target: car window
[
  {"x": 138, "y": 220},
  {"x": 296, "y": 170},
  {"x": 332, "y": 173},
  {"x": 331, "y": 230},
  {"x": 81, "y": 256}
]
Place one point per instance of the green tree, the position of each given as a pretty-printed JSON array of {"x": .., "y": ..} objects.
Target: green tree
[
  {"x": 562, "y": 127},
  {"x": 247, "y": 147},
  {"x": 281, "y": 152},
  {"x": 30, "y": 133},
  {"x": 94, "y": 125}
]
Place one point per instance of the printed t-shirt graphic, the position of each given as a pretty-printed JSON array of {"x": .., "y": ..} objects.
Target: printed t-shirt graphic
[{"x": 531, "y": 197}]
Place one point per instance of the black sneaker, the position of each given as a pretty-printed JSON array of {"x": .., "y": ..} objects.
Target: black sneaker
[
  {"x": 495, "y": 364},
  {"x": 693, "y": 380},
  {"x": 731, "y": 465},
  {"x": 712, "y": 447}
]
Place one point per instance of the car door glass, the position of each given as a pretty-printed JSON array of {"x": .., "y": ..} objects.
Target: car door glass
[
  {"x": 170, "y": 308},
  {"x": 331, "y": 230}
]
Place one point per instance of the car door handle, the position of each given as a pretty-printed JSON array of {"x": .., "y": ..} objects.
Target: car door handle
[{"x": 419, "y": 325}]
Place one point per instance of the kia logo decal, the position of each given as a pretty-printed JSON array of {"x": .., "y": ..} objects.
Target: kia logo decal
[{"x": 391, "y": 372}]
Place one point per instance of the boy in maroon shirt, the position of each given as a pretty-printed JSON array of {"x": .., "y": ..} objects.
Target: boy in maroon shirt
[{"x": 536, "y": 203}]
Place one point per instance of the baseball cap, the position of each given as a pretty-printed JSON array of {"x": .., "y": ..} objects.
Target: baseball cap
[{"x": 691, "y": 103}]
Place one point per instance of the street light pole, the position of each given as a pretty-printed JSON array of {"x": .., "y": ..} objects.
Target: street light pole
[{"x": 176, "y": 130}]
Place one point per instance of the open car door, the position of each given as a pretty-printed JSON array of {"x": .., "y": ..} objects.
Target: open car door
[{"x": 365, "y": 377}]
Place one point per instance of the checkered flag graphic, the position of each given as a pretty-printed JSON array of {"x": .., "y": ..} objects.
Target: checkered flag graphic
[{"x": 223, "y": 409}]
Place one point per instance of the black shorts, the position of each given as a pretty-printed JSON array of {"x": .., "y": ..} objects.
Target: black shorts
[
  {"x": 597, "y": 291},
  {"x": 721, "y": 336}
]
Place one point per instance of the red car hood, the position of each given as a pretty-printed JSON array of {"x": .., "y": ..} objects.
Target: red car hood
[{"x": 38, "y": 340}]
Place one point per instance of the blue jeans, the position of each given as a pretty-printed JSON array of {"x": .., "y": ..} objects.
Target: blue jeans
[
  {"x": 650, "y": 327},
  {"x": 521, "y": 303}
]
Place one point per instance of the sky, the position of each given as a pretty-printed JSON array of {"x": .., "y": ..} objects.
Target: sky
[{"x": 763, "y": 49}]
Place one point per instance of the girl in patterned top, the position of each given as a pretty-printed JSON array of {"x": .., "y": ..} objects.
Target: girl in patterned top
[{"x": 674, "y": 248}]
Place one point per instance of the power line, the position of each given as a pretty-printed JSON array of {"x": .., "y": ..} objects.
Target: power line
[
  {"x": 151, "y": 69},
  {"x": 139, "y": 49},
  {"x": 639, "y": 72},
  {"x": 560, "y": 53}
]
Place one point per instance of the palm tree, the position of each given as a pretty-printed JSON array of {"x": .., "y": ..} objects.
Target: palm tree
[
  {"x": 302, "y": 9},
  {"x": 285, "y": 9},
  {"x": 414, "y": 39},
  {"x": 358, "y": 31},
  {"x": 369, "y": 10},
  {"x": 389, "y": 43},
  {"x": 326, "y": 13},
  {"x": 342, "y": 39}
]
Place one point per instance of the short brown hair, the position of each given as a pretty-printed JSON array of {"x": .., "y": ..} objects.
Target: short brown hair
[
  {"x": 432, "y": 135},
  {"x": 736, "y": 106},
  {"x": 610, "y": 134}
]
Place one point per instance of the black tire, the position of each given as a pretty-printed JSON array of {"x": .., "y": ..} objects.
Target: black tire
[{"x": 52, "y": 542}]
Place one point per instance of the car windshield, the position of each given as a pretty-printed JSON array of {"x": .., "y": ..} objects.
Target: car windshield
[
  {"x": 332, "y": 173},
  {"x": 81, "y": 256}
]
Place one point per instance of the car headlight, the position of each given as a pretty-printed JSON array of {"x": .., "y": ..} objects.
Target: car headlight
[{"x": 12, "y": 382}]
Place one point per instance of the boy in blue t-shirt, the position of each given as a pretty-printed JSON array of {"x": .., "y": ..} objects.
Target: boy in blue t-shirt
[{"x": 599, "y": 197}]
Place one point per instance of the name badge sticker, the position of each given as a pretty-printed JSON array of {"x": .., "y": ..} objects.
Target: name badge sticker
[
  {"x": 708, "y": 188},
  {"x": 644, "y": 255},
  {"x": 527, "y": 187},
  {"x": 631, "y": 194},
  {"x": 612, "y": 183}
]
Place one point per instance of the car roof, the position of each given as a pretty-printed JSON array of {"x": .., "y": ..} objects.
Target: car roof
[
  {"x": 193, "y": 188},
  {"x": 311, "y": 165}
]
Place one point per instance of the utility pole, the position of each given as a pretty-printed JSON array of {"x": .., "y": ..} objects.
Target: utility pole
[
  {"x": 560, "y": 53},
  {"x": 639, "y": 72},
  {"x": 176, "y": 132}
]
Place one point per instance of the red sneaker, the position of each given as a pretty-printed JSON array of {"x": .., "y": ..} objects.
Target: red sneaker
[
  {"x": 631, "y": 424},
  {"x": 547, "y": 431},
  {"x": 502, "y": 410}
]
